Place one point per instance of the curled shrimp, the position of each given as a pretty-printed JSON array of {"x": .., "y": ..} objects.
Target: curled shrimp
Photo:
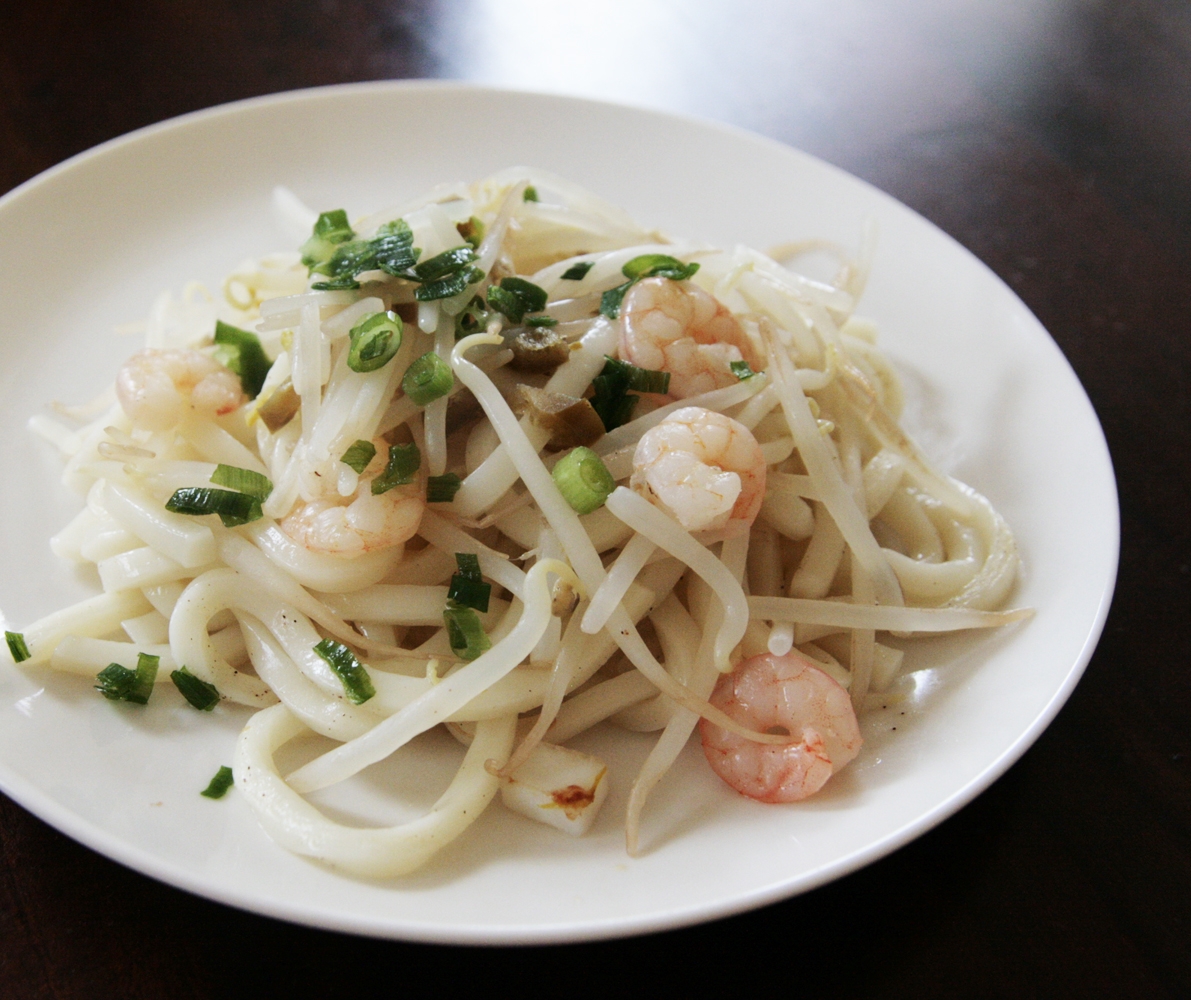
[
  {"x": 677, "y": 327},
  {"x": 363, "y": 522},
  {"x": 702, "y": 467},
  {"x": 770, "y": 692},
  {"x": 158, "y": 388}
]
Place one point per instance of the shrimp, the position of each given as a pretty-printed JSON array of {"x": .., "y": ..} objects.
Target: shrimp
[
  {"x": 158, "y": 388},
  {"x": 363, "y": 522},
  {"x": 786, "y": 692},
  {"x": 677, "y": 327},
  {"x": 703, "y": 468}
]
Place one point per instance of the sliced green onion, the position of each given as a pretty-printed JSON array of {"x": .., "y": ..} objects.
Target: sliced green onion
[
  {"x": 219, "y": 785},
  {"x": 402, "y": 467},
  {"x": 117, "y": 683},
  {"x": 331, "y": 229},
  {"x": 465, "y": 633},
  {"x": 427, "y": 379},
  {"x": 531, "y": 194},
  {"x": 514, "y": 297},
  {"x": 448, "y": 262},
  {"x": 613, "y": 405},
  {"x": 356, "y": 682},
  {"x": 243, "y": 481},
  {"x": 660, "y": 265},
  {"x": 343, "y": 284},
  {"x": 583, "y": 480},
  {"x": 374, "y": 341},
  {"x": 467, "y": 593},
  {"x": 467, "y": 589},
  {"x": 195, "y": 690},
  {"x": 394, "y": 248},
  {"x": 741, "y": 369},
  {"x": 442, "y": 489},
  {"x": 348, "y": 261},
  {"x": 358, "y": 456},
  {"x": 17, "y": 646},
  {"x": 469, "y": 565},
  {"x": 445, "y": 288},
  {"x": 611, "y": 299},
  {"x": 505, "y": 303},
  {"x": 637, "y": 379},
  {"x": 610, "y": 390},
  {"x": 577, "y": 272},
  {"x": 241, "y": 351},
  {"x": 543, "y": 320},
  {"x": 233, "y": 508}
]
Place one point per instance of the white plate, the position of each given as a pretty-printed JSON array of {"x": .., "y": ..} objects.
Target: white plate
[{"x": 93, "y": 241}]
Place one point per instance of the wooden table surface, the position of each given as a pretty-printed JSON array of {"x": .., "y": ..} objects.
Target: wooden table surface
[{"x": 1048, "y": 136}]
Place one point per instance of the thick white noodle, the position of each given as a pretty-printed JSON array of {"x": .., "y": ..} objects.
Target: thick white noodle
[{"x": 371, "y": 853}]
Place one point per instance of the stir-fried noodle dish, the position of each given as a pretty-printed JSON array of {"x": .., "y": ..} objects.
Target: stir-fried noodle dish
[{"x": 502, "y": 461}]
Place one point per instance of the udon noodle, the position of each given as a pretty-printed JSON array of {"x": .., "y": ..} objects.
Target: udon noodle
[{"x": 501, "y": 460}]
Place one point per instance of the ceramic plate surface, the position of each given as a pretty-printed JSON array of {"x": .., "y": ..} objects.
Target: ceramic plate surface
[{"x": 992, "y": 400}]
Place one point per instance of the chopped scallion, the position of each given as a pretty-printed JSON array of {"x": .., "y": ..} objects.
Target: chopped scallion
[
  {"x": 195, "y": 690},
  {"x": 531, "y": 194},
  {"x": 357, "y": 685},
  {"x": 402, "y": 467},
  {"x": 741, "y": 369},
  {"x": 514, "y": 297},
  {"x": 583, "y": 480},
  {"x": 374, "y": 341},
  {"x": 427, "y": 379},
  {"x": 233, "y": 508},
  {"x": 17, "y": 646},
  {"x": 241, "y": 351},
  {"x": 243, "y": 481},
  {"x": 542, "y": 320},
  {"x": 577, "y": 272},
  {"x": 465, "y": 633},
  {"x": 469, "y": 564},
  {"x": 637, "y": 379},
  {"x": 467, "y": 589},
  {"x": 117, "y": 683},
  {"x": 358, "y": 456},
  {"x": 451, "y": 285},
  {"x": 658, "y": 265},
  {"x": 448, "y": 262},
  {"x": 220, "y": 784},
  {"x": 394, "y": 248},
  {"x": 331, "y": 229},
  {"x": 442, "y": 489},
  {"x": 611, "y": 299}
]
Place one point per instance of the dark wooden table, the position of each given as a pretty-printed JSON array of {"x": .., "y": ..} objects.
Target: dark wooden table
[{"x": 1052, "y": 138}]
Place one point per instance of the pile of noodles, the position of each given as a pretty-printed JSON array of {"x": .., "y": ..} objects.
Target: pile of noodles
[{"x": 857, "y": 539}]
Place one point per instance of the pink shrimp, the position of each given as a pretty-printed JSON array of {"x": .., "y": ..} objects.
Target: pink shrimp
[
  {"x": 782, "y": 692},
  {"x": 677, "y": 327},
  {"x": 363, "y": 522},
  {"x": 702, "y": 467},
  {"x": 158, "y": 388}
]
